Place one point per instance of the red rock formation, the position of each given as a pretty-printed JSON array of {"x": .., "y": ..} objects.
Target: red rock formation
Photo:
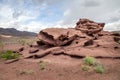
[
  {"x": 88, "y": 26},
  {"x": 58, "y": 36},
  {"x": 86, "y": 39}
]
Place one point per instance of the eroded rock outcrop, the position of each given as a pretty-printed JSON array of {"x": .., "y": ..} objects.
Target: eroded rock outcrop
[
  {"x": 61, "y": 36},
  {"x": 58, "y": 36},
  {"x": 87, "y": 39},
  {"x": 88, "y": 26}
]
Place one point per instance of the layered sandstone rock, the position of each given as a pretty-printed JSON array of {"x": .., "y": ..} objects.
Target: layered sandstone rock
[
  {"x": 58, "y": 36},
  {"x": 88, "y": 26}
]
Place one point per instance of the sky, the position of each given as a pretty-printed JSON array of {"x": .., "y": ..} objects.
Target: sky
[{"x": 35, "y": 15}]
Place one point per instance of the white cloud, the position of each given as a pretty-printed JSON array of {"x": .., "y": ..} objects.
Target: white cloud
[
  {"x": 33, "y": 26},
  {"x": 6, "y": 12},
  {"x": 23, "y": 15},
  {"x": 10, "y": 18},
  {"x": 115, "y": 26},
  {"x": 107, "y": 11},
  {"x": 78, "y": 10},
  {"x": 91, "y": 3}
]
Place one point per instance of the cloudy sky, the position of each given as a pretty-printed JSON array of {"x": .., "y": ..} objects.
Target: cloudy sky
[{"x": 34, "y": 15}]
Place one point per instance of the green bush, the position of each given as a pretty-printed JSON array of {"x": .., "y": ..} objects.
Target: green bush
[
  {"x": 91, "y": 64},
  {"x": 9, "y": 55},
  {"x": 89, "y": 60},
  {"x": 99, "y": 69}
]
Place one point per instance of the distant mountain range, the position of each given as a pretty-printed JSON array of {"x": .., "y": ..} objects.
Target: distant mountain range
[
  {"x": 116, "y": 31},
  {"x": 14, "y": 32}
]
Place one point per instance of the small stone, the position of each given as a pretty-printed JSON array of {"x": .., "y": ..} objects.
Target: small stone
[
  {"x": 11, "y": 61},
  {"x": 33, "y": 50}
]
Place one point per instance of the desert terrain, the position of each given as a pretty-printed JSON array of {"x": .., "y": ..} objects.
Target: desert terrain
[{"x": 85, "y": 52}]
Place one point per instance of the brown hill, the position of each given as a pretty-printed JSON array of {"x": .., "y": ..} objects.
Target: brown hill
[{"x": 14, "y": 32}]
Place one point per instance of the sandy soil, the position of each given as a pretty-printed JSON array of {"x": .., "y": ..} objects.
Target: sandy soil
[{"x": 57, "y": 68}]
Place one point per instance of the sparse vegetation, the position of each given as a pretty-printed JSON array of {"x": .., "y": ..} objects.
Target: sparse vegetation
[
  {"x": 23, "y": 72},
  {"x": 99, "y": 69},
  {"x": 89, "y": 60},
  {"x": 90, "y": 63},
  {"x": 85, "y": 68},
  {"x": 26, "y": 41},
  {"x": 9, "y": 55},
  {"x": 1, "y": 46},
  {"x": 42, "y": 65},
  {"x": 22, "y": 42}
]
